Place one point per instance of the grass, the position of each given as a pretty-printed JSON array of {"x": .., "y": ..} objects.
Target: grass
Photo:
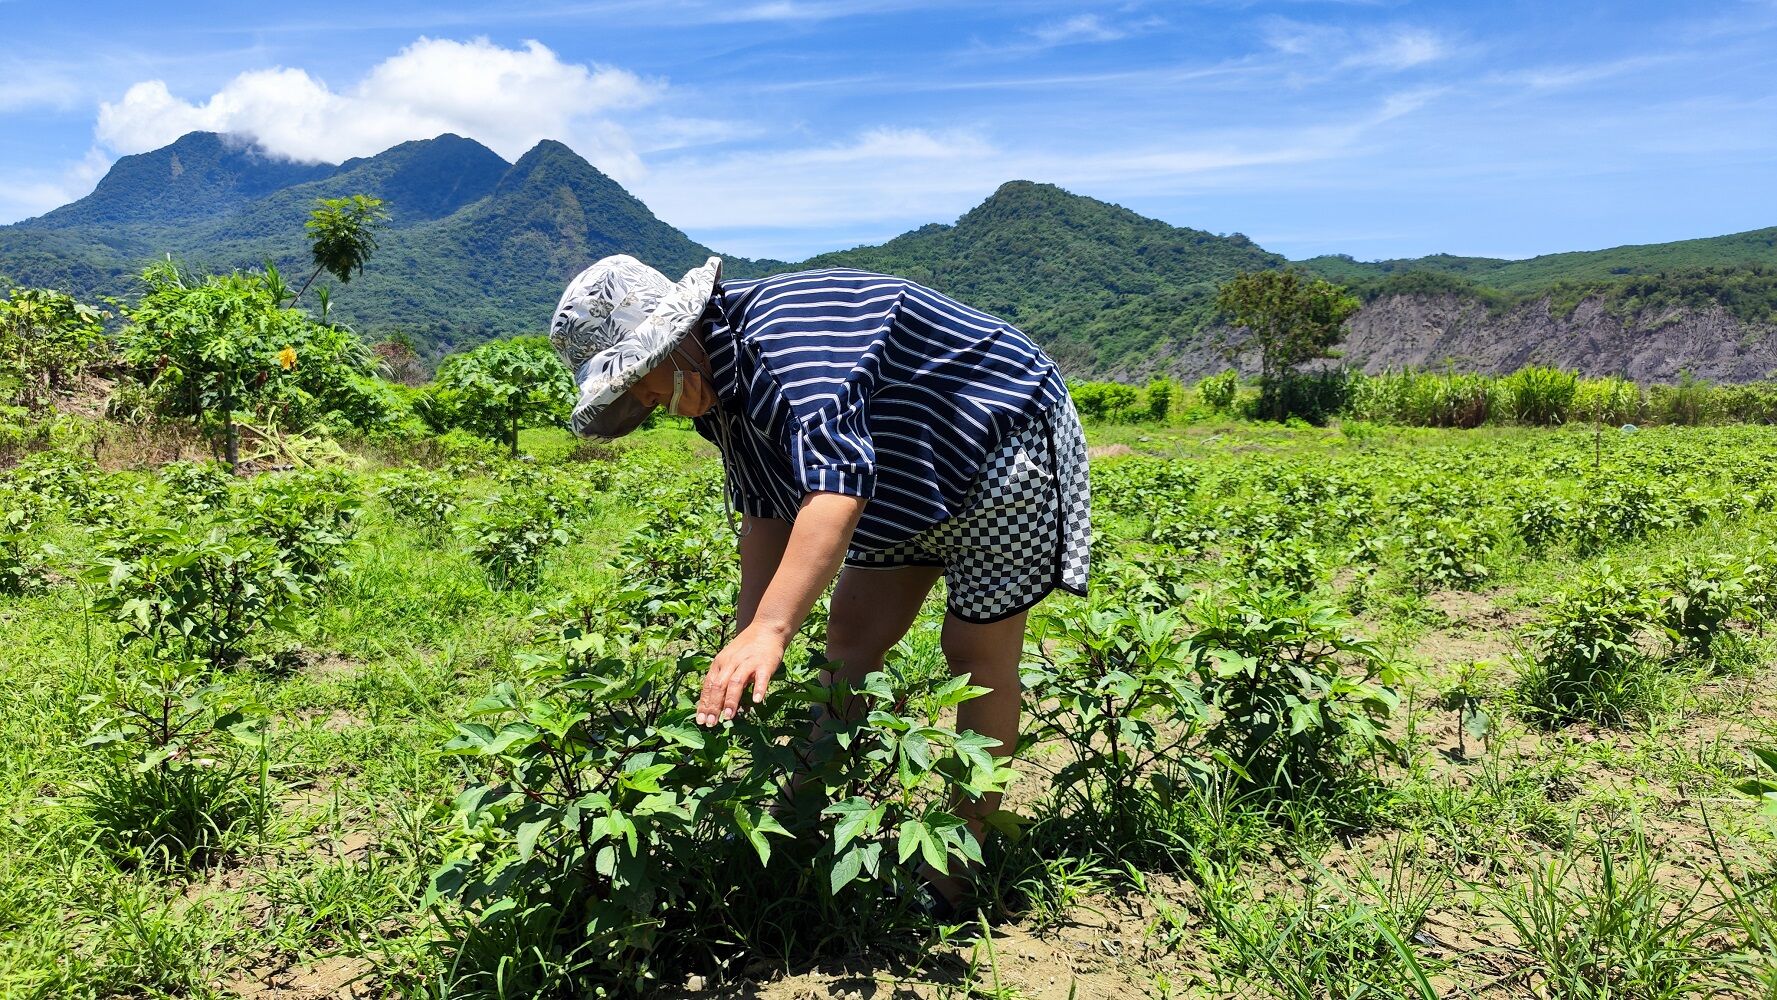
[{"x": 1604, "y": 858}]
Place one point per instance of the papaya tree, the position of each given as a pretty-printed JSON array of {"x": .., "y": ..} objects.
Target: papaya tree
[
  {"x": 212, "y": 348},
  {"x": 46, "y": 338},
  {"x": 499, "y": 387},
  {"x": 342, "y": 236}
]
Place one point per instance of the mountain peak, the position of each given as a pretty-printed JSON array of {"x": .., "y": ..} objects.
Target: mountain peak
[{"x": 200, "y": 175}]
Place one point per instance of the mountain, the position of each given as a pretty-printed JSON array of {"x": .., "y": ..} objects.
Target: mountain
[
  {"x": 477, "y": 247},
  {"x": 1756, "y": 247},
  {"x": 1094, "y": 281},
  {"x": 202, "y": 175}
]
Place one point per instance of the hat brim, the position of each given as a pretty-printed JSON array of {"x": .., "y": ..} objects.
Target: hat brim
[
  {"x": 617, "y": 419},
  {"x": 605, "y": 379}
]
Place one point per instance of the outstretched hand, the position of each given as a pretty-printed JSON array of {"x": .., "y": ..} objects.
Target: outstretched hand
[{"x": 751, "y": 658}]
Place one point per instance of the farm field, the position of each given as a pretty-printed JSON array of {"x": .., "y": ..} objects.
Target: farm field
[{"x": 1364, "y": 712}]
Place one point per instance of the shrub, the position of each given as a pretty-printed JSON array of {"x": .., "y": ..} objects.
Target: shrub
[
  {"x": 1448, "y": 552},
  {"x": 191, "y": 591},
  {"x": 423, "y": 499},
  {"x": 612, "y": 839},
  {"x": 511, "y": 537},
  {"x": 1584, "y": 662},
  {"x": 1219, "y": 391},
  {"x": 307, "y": 518},
  {"x": 1701, "y": 596},
  {"x": 172, "y": 779},
  {"x": 21, "y": 555},
  {"x": 1115, "y": 688},
  {"x": 1159, "y": 397},
  {"x": 1541, "y": 520},
  {"x": 1110, "y": 401},
  {"x": 498, "y": 388},
  {"x": 195, "y": 487},
  {"x": 46, "y": 338},
  {"x": 1277, "y": 668}
]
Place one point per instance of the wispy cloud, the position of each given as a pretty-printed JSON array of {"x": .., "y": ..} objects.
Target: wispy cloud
[
  {"x": 917, "y": 175},
  {"x": 1079, "y": 28},
  {"x": 1392, "y": 47}
]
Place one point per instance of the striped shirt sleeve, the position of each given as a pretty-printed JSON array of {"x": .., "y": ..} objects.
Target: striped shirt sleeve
[{"x": 834, "y": 453}]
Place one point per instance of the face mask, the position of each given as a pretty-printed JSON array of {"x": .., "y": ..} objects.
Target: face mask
[{"x": 672, "y": 405}]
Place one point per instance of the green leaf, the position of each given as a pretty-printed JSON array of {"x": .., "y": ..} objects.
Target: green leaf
[
  {"x": 646, "y": 779},
  {"x": 912, "y": 835},
  {"x": 528, "y": 834},
  {"x": 683, "y": 733},
  {"x": 755, "y": 823},
  {"x": 845, "y": 869}
]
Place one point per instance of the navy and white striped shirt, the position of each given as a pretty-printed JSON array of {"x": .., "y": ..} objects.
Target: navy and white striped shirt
[{"x": 872, "y": 386}]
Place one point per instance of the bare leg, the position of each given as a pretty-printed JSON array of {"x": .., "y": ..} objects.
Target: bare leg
[
  {"x": 871, "y": 610},
  {"x": 990, "y": 655}
]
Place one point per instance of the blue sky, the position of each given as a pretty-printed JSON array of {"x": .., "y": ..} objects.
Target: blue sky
[{"x": 786, "y": 127}]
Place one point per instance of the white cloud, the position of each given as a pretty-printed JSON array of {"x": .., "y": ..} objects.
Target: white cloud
[
  {"x": 1395, "y": 47},
  {"x": 758, "y": 200},
  {"x": 1399, "y": 48},
  {"x": 506, "y": 98},
  {"x": 1079, "y": 28}
]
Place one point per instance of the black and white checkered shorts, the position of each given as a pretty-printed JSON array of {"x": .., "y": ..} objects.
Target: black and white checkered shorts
[{"x": 1025, "y": 528}]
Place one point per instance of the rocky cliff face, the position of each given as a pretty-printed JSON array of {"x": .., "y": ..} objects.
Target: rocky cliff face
[
  {"x": 1421, "y": 332},
  {"x": 1414, "y": 331}
]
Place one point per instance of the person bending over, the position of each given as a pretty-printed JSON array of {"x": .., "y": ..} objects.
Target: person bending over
[{"x": 869, "y": 427}]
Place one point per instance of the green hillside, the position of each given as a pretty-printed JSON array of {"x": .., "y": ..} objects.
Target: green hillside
[
  {"x": 1756, "y": 247},
  {"x": 202, "y": 175},
  {"x": 477, "y": 247},
  {"x": 1094, "y": 281}
]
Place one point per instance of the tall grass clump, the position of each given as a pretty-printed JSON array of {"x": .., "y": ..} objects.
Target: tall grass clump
[{"x": 1540, "y": 395}]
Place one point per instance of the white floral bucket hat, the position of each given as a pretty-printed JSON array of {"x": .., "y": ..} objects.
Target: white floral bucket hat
[{"x": 617, "y": 320}]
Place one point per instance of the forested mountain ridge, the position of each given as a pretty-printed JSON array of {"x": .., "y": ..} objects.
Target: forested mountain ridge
[{"x": 477, "y": 247}]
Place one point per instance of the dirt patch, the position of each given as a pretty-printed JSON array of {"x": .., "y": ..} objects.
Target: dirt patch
[
  {"x": 1469, "y": 609},
  {"x": 339, "y": 976},
  {"x": 1108, "y": 451}
]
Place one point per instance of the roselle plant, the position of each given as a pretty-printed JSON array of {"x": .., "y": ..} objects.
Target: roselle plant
[{"x": 607, "y": 835}]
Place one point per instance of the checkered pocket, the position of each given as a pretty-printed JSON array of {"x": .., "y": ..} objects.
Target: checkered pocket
[{"x": 1019, "y": 475}]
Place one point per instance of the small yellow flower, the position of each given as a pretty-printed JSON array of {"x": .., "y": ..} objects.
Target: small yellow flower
[{"x": 287, "y": 358}]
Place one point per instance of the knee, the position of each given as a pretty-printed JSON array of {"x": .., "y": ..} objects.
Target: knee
[
  {"x": 850, "y": 641},
  {"x": 990, "y": 668}
]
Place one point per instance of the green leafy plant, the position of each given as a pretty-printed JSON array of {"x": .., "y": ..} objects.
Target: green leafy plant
[
  {"x": 178, "y": 766},
  {"x": 195, "y": 488},
  {"x": 1701, "y": 596},
  {"x": 307, "y": 517},
  {"x": 342, "y": 236},
  {"x": 1219, "y": 391},
  {"x": 1584, "y": 662},
  {"x": 498, "y": 388},
  {"x": 609, "y": 837},
  {"x": 46, "y": 338},
  {"x": 423, "y": 499},
  {"x": 511, "y": 536},
  {"x": 191, "y": 591},
  {"x": 1115, "y": 689},
  {"x": 21, "y": 553},
  {"x": 1764, "y": 785},
  {"x": 1298, "y": 693},
  {"x": 1448, "y": 552}
]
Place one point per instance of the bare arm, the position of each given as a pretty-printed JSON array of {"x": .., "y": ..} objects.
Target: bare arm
[
  {"x": 816, "y": 546},
  {"x": 762, "y": 544}
]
